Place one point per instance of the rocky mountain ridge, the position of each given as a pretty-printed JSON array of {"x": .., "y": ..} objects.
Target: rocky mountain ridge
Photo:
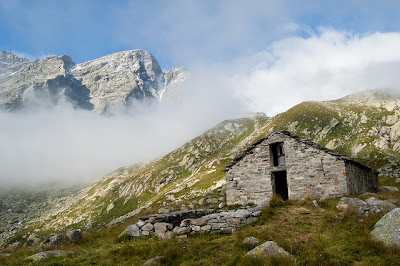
[{"x": 103, "y": 85}]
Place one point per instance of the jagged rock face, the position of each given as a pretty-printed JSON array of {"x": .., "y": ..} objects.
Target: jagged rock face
[
  {"x": 119, "y": 78},
  {"x": 102, "y": 85},
  {"x": 42, "y": 82},
  {"x": 9, "y": 64}
]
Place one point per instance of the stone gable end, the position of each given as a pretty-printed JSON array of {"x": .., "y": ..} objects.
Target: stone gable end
[{"x": 295, "y": 169}]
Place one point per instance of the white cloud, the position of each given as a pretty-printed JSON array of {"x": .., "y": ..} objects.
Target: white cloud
[
  {"x": 324, "y": 66},
  {"x": 72, "y": 146}
]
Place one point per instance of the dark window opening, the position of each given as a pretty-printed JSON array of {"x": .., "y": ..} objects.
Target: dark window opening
[
  {"x": 279, "y": 182},
  {"x": 277, "y": 154}
]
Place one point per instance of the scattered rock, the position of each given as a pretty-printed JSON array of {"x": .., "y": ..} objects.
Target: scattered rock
[
  {"x": 153, "y": 261},
  {"x": 315, "y": 202},
  {"x": 387, "y": 230},
  {"x": 378, "y": 206},
  {"x": 74, "y": 235},
  {"x": 221, "y": 205},
  {"x": 212, "y": 201},
  {"x": 202, "y": 201},
  {"x": 370, "y": 205},
  {"x": 5, "y": 254},
  {"x": 251, "y": 240},
  {"x": 268, "y": 249},
  {"x": 398, "y": 180},
  {"x": 55, "y": 241},
  {"x": 41, "y": 256},
  {"x": 388, "y": 189},
  {"x": 164, "y": 210}
]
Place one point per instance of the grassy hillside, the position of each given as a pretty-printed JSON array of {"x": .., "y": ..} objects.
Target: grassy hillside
[
  {"x": 365, "y": 126},
  {"x": 314, "y": 235}
]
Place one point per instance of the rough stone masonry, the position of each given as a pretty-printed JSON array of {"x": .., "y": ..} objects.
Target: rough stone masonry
[
  {"x": 192, "y": 221},
  {"x": 294, "y": 168}
]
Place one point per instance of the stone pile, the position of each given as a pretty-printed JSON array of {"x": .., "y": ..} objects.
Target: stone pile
[{"x": 192, "y": 221}]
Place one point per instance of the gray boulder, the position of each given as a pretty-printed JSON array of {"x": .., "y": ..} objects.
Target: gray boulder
[
  {"x": 140, "y": 223},
  {"x": 353, "y": 204},
  {"x": 251, "y": 240},
  {"x": 398, "y": 180},
  {"x": 133, "y": 230},
  {"x": 378, "y": 206},
  {"x": 160, "y": 228},
  {"x": 74, "y": 235},
  {"x": 153, "y": 261},
  {"x": 55, "y": 241},
  {"x": 148, "y": 227},
  {"x": 371, "y": 205},
  {"x": 268, "y": 249},
  {"x": 41, "y": 256},
  {"x": 387, "y": 229}
]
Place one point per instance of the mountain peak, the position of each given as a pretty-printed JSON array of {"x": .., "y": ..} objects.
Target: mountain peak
[{"x": 6, "y": 57}]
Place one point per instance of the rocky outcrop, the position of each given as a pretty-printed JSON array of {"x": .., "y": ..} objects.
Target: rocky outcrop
[
  {"x": 387, "y": 228},
  {"x": 183, "y": 222},
  {"x": 9, "y": 65},
  {"x": 43, "y": 83},
  {"x": 118, "y": 79}
]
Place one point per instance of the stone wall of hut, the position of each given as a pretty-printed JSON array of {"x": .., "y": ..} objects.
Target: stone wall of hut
[{"x": 311, "y": 172}]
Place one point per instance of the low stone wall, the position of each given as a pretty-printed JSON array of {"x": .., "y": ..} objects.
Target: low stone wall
[{"x": 183, "y": 222}]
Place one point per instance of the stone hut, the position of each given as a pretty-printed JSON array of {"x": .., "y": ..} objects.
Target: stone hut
[{"x": 294, "y": 168}]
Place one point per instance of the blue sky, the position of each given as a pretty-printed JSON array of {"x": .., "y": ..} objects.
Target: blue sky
[{"x": 179, "y": 32}]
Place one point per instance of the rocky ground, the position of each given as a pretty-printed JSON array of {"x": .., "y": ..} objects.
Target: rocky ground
[{"x": 20, "y": 205}]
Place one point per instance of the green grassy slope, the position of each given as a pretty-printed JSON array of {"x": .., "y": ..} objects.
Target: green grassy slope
[
  {"x": 314, "y": 235},
  {"x": 368, "y": 130}
]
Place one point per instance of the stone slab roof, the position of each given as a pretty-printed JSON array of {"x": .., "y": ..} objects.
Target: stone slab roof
[{"x": 307, "y": 142}]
